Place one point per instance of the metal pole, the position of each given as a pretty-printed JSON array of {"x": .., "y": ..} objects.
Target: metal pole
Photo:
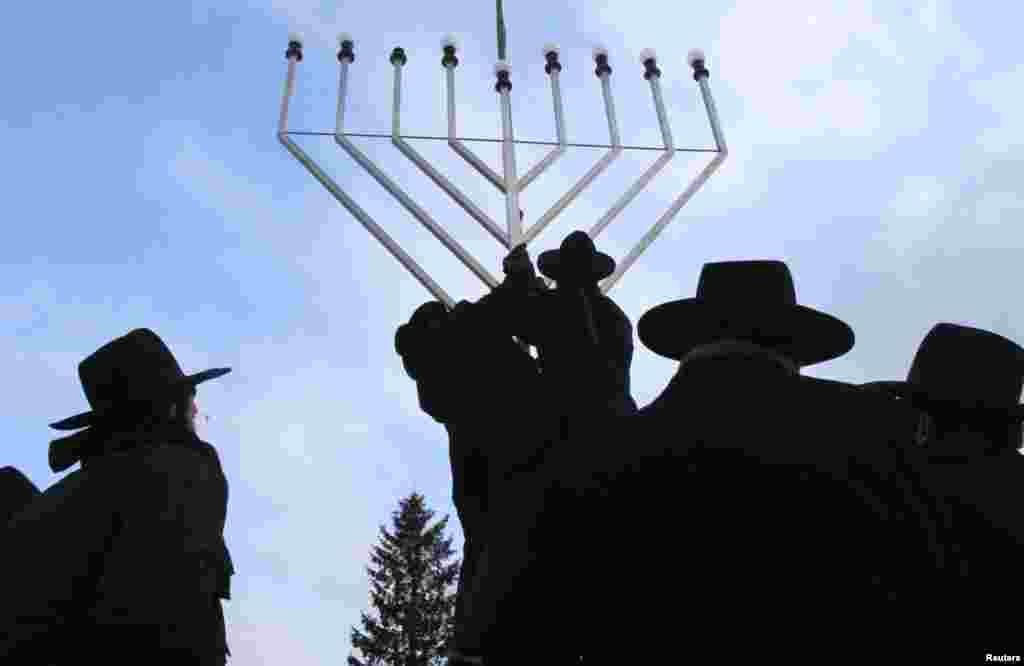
[
  {"x": 351, "y": 206},
  {"x": 609, "y": 106},
  {"x": 440, "y": 180},
  {"x": 683, "y": 198},
  {"x": 669, "y": 215},
  {"x": 508, "y": 160},
  {"x": 392, "y": 187},
  {"x": 659, "y": 105},
  {"x": 556, "y": 97},
  {"x": 716, "y": 126},
  {"x": 458, "y": 146},
  {"x": 652, "y": 171},
  {"x": 595, "y": 171}
]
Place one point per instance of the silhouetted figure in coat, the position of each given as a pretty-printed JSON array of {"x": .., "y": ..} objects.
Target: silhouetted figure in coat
[
  {"x": 748, "y": 508},
  {"x": 967, "y": 382},
  {"x": 123, "y": 561},
  {"x": 504, "y": 417},
  {"x": 583, "y": 338},
  {"x": 16, "y": 492}
]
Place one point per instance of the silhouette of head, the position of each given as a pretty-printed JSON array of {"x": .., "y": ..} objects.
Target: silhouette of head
[
  {"x": 969, "y": 382},
  {"x": 576, "y": 263}
]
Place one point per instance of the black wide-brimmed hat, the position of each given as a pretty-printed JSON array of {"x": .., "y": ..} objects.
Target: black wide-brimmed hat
[
  {"x": 576, "y": 260},
  {"x": 135, "y": 368},
  {"x": 746, "y": 300},
  {"x": 964, "y": 370}
]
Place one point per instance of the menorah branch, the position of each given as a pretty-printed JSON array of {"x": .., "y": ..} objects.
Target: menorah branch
[
  {"x": 652, "y": 171},
  {"x": 553, "y": 69},
  {"x": 457, "y": 145},
  {"x": 603, "y": 72},
  {"x": 295, "y": 54},
  {"x": 397, "y": 192},
  {"x": 508, "y": 158},
  {"x": 701, "y": 75},
  {"x": 423, "y": 165}
]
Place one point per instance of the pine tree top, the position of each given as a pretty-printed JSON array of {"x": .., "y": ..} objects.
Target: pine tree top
[{"x": 411, "y": 588}]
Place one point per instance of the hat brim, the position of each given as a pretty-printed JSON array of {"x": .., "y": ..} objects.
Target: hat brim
[
  {"x": 85, "y": 419},
  {"x": 802, "y": 334},
  {"x": 551, "y": 265},
  {"x": 921, "y": 399}
]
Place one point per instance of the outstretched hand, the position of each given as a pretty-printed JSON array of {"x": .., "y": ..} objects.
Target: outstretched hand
[
  {"x": 517, "y": 262},
  {"x": 519, "y": 271}
]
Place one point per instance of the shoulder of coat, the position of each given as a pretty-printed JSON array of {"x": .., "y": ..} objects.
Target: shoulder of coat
[
  {"x": 53, "y": 497},
  {"x": 160, "y": 458}
]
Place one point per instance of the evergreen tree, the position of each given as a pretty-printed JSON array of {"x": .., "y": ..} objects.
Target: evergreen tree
[{"x": 412, "y": 591}]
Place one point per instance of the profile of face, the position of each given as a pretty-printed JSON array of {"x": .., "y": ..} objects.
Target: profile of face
[{"x": 193, "y": 412}]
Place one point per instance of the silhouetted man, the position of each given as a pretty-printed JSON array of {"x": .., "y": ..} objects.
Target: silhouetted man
[
  {"x": 748, "y": 508},
  {"x": 967, "y": 382},
  {"x": 475, "y": 380},
  {"x": 503, "y": 418},
  {"x": 583, "y": 338},
  {"x": 123, "y": 561}
]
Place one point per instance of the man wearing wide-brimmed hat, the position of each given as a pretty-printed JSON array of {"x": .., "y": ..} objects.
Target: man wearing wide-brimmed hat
[
  {"x": 967, "y": 383},
  {"x": 123, "y": 560},
  {"x": 583, "y": 338},
  {"x": 773, "y": 499}
]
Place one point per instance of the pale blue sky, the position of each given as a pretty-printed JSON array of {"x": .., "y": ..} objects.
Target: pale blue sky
[{"x": 873, "y": 147}]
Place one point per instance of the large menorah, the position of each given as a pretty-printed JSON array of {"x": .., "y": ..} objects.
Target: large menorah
[{"x": 508, "y": 182}]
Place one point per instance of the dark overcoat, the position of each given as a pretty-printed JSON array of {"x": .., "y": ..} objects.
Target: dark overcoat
[
  {"x": 986, "y": 493},
  {"x": 746, "y": 506},
  {"x": 122, "y": 561},
  {"x": 16, "y": 491},
  {"x": 581, "y": 377},
  {"x": 504, "y": 419},
  {"x": 487, "y": 392}
]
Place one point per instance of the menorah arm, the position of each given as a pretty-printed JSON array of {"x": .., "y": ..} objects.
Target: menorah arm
[
  {"x": 557, "y": 151},
  {"x": 652, "y": 171},
  {"x": 446, "y": 185},
  {"x": 398, "y": 193},
  {"x": 345, "y": 200},
  {"x": 457, "y": 145},
  {"x": 663, "y": 222},
  {"x": 694, "y": 186},
  {"x": 595, "y": 171}
]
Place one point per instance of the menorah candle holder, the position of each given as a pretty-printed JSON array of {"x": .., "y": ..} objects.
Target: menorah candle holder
[{"x": 508, "y": 182}]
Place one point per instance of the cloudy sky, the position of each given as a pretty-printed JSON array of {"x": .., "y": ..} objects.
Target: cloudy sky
[{"x": 872, "y": 148}]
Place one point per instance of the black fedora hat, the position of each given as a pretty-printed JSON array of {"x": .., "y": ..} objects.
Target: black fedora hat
[
  {"x": 964, "y": 370},
  {"x": 747, "y": 300},
  {"x": 576, "y": 260},
  {"x": 137, "y": 367}
]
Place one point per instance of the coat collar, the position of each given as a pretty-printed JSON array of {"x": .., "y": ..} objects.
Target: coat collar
[
  {"x": 739, "y": 356},
  {"x": 144, "y": 435},
  {"x": 735, "y": 349}
]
